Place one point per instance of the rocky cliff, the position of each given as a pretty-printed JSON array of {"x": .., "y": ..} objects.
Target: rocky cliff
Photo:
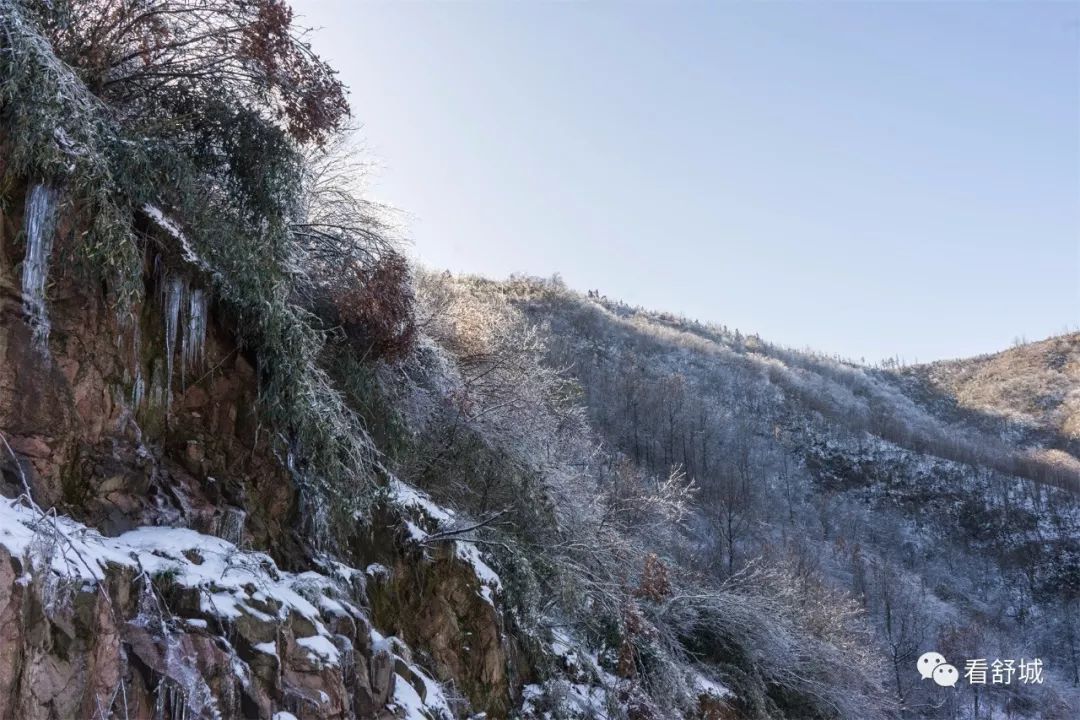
[{"x": 151, "y": 559}]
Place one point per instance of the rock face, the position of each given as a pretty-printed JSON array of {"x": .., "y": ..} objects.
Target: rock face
[
  {"x": 443, "y": 599},
  {"x": 135, "y": 593},
  {"x": 163, "y": 622},
  {"x": 96, "y": 433}
]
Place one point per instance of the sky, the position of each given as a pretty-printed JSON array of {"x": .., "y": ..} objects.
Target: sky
[{"x": 870, "y": 179}]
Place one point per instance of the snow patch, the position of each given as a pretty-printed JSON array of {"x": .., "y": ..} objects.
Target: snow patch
[
  {"x": 409, "y": 497},
  {"x": 705, "y": 686},
  {"x": 408, "y": 700},
  {"x": 412, "y": 706},
  {"x": 169, "y": 226},
  {"x": 321, "y": 647},
  {"x": 489, "y": 579}
]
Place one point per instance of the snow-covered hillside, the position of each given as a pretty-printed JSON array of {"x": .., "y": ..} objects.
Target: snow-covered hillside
[{"x": 947, "y": 524}]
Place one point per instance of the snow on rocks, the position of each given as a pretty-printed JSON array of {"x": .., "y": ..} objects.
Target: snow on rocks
[
  {"x": 322, "y": 647},
  {"x": 233, "y": 609},
  {"x": 267, "y": 648},
  {"x": 231, "y": 582},
  {"x": 417, "y": 696},
  {"x": 489, "y": 580},
  {"x": 428, "y": 513}
]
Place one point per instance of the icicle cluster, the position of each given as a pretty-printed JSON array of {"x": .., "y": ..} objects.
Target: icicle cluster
[
  {"x": 231, "y": 525},
  {"x": 185, "y": 311},
  {"x": 40, "y": 227},
  {"x": 181, "y": 693}
]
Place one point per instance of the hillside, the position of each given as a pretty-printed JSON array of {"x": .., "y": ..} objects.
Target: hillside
[
  {"x": 873, "y": 482},
  {"x": 1033, "y": 385},
  {"x": 256, "y": 465}
]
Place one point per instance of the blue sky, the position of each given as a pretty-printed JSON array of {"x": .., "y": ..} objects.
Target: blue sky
[{"x": 868, "y": 179}]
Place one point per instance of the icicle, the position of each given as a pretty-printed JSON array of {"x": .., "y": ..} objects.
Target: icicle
[
  {"x": 181, "y": 691},
  {"x": 185, "y": 324},
  {"x": 190, "y": 695},
  {"x": 195, "y": 337},
  {"x": 231, "y": 525},
  {"x": 138, "y": 387},
  {"x": 348, "y": 659},
  {"x": 315, "y": 515},
  {"x": 156, "y": 391},
  {"x": 173, "y": 298},
  {"x": 40, "y": 227}
]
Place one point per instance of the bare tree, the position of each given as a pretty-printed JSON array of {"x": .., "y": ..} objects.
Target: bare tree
[{"x": 187, "y": 54}]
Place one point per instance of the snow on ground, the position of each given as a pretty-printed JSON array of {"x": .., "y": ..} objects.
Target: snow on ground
[
  {"x": 565, "y": 698},
  {"x": 586, "y": 687},
  {"x": 583, "y": 692}
]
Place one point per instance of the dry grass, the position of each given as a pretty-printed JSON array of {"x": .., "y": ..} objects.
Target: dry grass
[{"x": 1037, "y": 384}]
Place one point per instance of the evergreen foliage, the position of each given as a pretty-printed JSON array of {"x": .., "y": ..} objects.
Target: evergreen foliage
[{"x": 223, "y": 156}]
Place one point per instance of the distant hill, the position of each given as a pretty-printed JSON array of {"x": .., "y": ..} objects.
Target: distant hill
[{"x": 1035, "y": 384}]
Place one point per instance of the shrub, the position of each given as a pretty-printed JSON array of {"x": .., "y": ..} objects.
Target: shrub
[{"x": 374, "y": 307}]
